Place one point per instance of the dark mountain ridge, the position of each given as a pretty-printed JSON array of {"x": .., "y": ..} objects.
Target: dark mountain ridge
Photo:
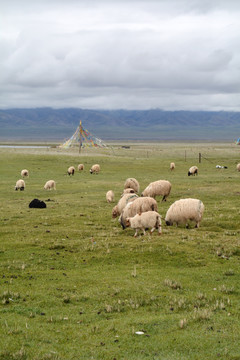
[{"x": 155, "y": 124}]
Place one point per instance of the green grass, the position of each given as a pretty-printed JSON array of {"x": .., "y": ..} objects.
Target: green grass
[{"x": 74, "y": 285}]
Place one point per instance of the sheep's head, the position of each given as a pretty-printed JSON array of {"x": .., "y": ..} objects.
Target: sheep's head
[
  {"x": 122, "y": 222},
  {"x": 127, "y": 222},
  {"x": 168, "y": 223},
  {"x": 189, "y": 173},
  {"x": 115, "y": 212}
]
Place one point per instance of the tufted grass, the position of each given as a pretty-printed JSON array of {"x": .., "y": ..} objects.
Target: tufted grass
[{"x": 74, "y": 285}]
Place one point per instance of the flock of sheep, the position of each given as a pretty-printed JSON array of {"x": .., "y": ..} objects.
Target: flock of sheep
[
  {"x": 51, "y": 184},
  {"x": 141, "y": 212}
]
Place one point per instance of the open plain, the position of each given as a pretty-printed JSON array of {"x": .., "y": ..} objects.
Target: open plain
[{"x": 74, "y": 285}]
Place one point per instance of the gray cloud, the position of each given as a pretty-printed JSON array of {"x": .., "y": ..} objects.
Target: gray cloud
[{"x": 123, "y": 54}]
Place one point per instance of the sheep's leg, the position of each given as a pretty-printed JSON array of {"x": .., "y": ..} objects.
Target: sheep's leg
[
  {"x": 197, "y": 225},
  {"x": 160, "y": 230},
  {"x": 135, "y": 235},
  {"x": 144, "y": 232},
  {"x": 164, "y": 198},
  {"x": 152, "y": 230}
]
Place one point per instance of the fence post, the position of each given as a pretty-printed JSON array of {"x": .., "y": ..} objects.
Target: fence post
[{"x": 199, "y": 158}]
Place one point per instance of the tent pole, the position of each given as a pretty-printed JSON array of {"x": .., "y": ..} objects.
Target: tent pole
[{"x": 80, "y": 136}]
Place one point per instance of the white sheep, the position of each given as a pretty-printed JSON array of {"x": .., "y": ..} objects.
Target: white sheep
[
  {"x": 95, "y": 169},
  {"x": 238, "y": 167},
  {"x": 140, "y": 205},
  {"x": 24, "y": 173},
  {"x": 148, "y": 219},
  {"x": 80, "y": 167},
  {"x": 50, "y": 184},
  {"x": 172, "y": 166},
  {"x": 156, "y": 188},
  {"x": 124, "y": 200},
  {"x": 132, "y": 183},
  {"x": 128, "y": 191},
  {"x": 20, "y": 185},
  {"x": 193, "y": 171},
  {"x": 184, "y": 210},
  {"x": 71, "y": 170},
  {"x": 110, "y": 196}
]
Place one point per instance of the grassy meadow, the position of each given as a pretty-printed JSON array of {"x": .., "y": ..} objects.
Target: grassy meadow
[{"x": 74, "y": 285}]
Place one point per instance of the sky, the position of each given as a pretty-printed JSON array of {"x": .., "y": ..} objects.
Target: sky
[{"x": 120, "y": 54}]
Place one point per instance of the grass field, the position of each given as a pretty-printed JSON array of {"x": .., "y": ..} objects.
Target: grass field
[{"x": 74, "y": 285}]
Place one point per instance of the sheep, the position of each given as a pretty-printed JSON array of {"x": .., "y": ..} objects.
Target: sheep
[
  {"x": 20, "y": 185},
  {"x": 124, "y": 200},
  {"x": 110, "y": 196},
  {"x": 95, "y": 169},
  {"x": 80, "y": 167},
  {"x": 24, "y": 173},
  {"x": 140, "y": 205},
  {"x": 71, "y": 170},
  {"x": 159, "y": 187},
  {"x": 148, "y": 219},
  {"x": 193, "y": 171},
  {"x": 172, "y": 166},
  {"x": 184, "y": 210},
  {"x": 50, "y": 184},
  {"x": 132, "y": 183},
  {"x": 238, "y": 167},
  {"x": 128, "y": 191}
]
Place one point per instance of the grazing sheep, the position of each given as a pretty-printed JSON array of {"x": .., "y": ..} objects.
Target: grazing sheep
[
  {"x": 238, "y": 167},
  {"x": 95, "y": 169},
  {"x": 132, "y": 184},
  {"x": 80, "y": 167},
  {"x": 20, "y": 185},
  {"x": 193, "y": 171},
  {"x": 24, "y": 173},
  {"x": 124, "y": 200},
  {"x": 37, "y": 204},
  {"x": 159, "y": 187},
  {"x": 172, "y": 166},
  {"x": 50, "y": 184},
  {"x": 128, "y": 191},
  {"x": 71, "y": 170},
  {"x": 148, "y": 219},
  {"x": 140, "y": 205},
  {"x": 185, "y": 210},
  {"x": 110, "y": 196}
]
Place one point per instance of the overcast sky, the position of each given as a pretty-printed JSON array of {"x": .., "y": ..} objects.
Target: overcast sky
[{"x": 120, "y": 54}]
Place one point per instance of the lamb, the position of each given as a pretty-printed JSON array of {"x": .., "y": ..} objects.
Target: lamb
[
  {"x": 238, "y": 167},
  {"x": 172, "y": 166},
  {"x": 140, "y": 205},
  {"x": 124, "y": 200},
  {"x": 24, "y": 173},
  {"x": 80, "y": 167},
  {"x": 95, "y": 169},
  {"x": 184, "y": 210},
  {"x": 193, "y": 171},
  {"x": 50, "y": 184},
  {"x": 159, "y": 187},
  {"x": 71, "y": 170},
  {"x": 148, "y": 219},
  {"x": 20, "y": 185},
  {"x": 132, "y": 183},
  {"x": 110, "y": 196}
]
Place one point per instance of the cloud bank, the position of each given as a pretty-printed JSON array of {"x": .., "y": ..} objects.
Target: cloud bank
[{"x": 120, "y": 54}]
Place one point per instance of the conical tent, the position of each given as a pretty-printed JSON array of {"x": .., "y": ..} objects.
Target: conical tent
[{"x": 82, "y": 138}]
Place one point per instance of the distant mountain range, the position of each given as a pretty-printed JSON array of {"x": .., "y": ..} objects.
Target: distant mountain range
[{"x": 47, "y": 124}]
